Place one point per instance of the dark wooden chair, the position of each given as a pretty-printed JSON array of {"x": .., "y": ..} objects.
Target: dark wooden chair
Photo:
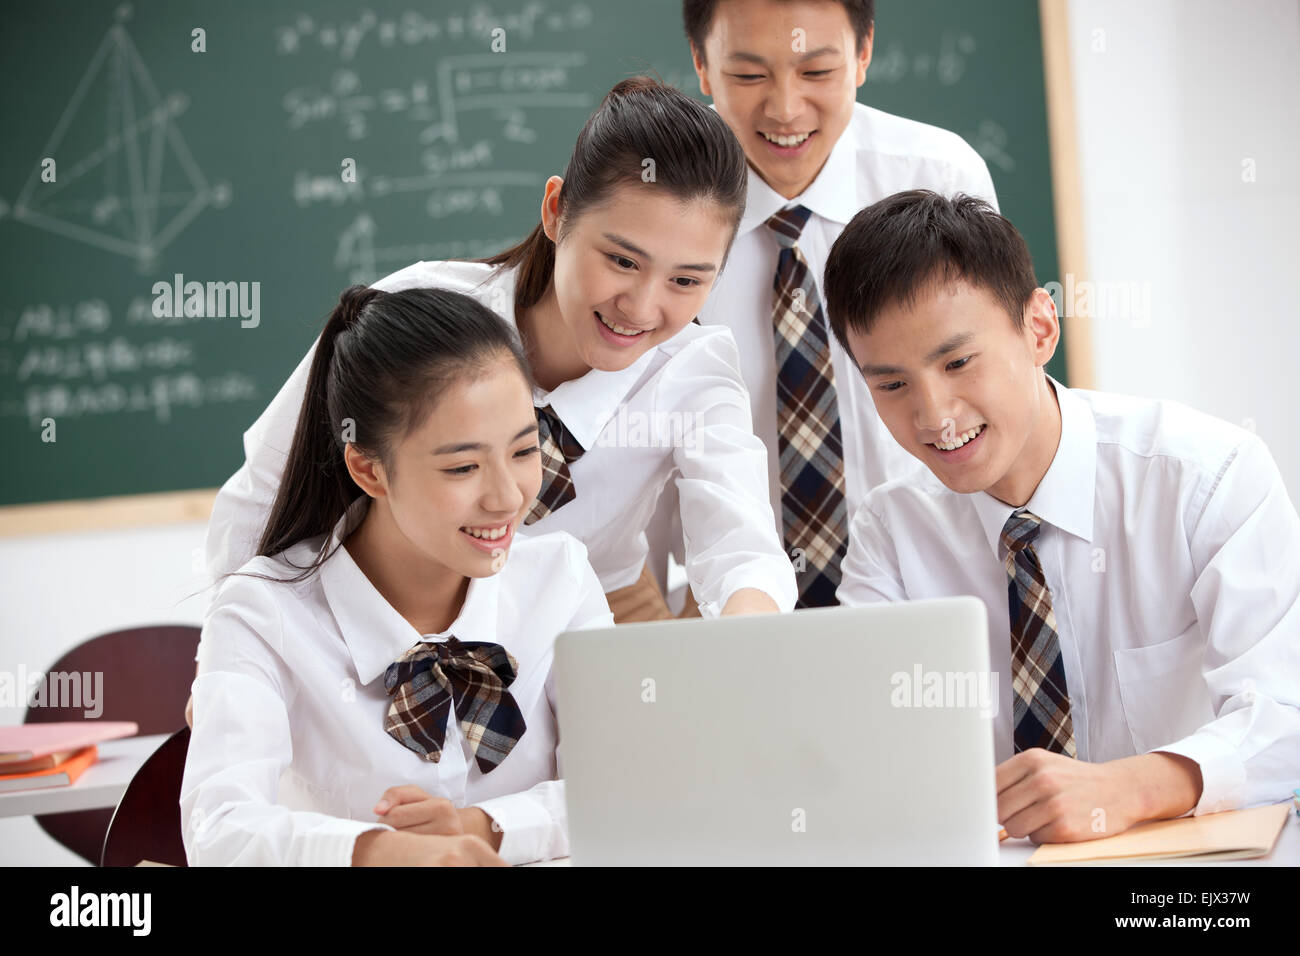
[
  {"x": 147, "y": 676},
  {"x": 147, "y": 822}
]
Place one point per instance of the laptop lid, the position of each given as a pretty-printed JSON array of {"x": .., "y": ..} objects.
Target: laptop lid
[{"x": 834, "y": 736}]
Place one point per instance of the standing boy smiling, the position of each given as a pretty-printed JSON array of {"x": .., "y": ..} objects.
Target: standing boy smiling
[
  {"x": 784, "y": 75},
  {"x": 1140, "y": 561}
]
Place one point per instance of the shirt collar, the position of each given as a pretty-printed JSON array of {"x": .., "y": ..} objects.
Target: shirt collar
[
  {"x": 586, "y": 404},
  {"x": 833, "y": 194},
  {"x": 1065, "y": 496},
  {"x": 376, "y": 635}
]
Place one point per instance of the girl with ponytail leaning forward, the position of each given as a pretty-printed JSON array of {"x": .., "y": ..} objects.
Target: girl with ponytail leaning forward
[{"x": 630, "y": 394}]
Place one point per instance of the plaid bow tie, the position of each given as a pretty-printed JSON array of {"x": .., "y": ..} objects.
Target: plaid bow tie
[
  {"x": 429, "y": 678},
  {"x": 1040, "y": 701},
  {"x": 814, "y": 516},
  {"x": 559, "y": 449}
]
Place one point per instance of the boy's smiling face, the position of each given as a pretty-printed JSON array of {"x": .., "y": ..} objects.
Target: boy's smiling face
[
  {"x": 960, "y": 387},
  {"x": 784, "y": 75}
]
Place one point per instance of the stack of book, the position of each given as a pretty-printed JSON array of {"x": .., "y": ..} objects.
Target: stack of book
[{"x": 35, "y": 756}]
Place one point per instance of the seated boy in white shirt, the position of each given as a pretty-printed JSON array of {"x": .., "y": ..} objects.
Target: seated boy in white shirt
[{"x": 1140, "y": 561}]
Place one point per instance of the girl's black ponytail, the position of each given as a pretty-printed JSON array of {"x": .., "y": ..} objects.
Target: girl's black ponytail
[
  {"x": 315, "y": 477},
  {"x": 380, "y": 364}
]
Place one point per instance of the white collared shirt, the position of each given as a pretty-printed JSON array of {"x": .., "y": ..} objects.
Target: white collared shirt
[
  {"x": 679, "y": 413},
  {"x": 289, "y": 755},
  {"x": 878, "y": 155},
  {"x": 1172, "y": 552}
]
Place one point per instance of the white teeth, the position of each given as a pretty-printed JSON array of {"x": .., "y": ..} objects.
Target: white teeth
[
  {"x": 786, "y": 140},
  {"x": 960, "y": 440},
  {"x": 487, "y": 535},
  {"x": 621, "y": 330}
]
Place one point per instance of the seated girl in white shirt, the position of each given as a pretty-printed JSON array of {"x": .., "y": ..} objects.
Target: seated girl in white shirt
[
  {"x": 375, "y": 686},
  {"x": 635, "y": 395},
  {"x": 1139, "y": 560}
]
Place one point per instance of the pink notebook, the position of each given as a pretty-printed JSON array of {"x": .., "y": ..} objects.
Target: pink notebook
[{"x": 27, "y": 741}]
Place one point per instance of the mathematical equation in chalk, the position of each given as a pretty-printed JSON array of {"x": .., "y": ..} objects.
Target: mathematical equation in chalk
[
  {"x": 59, "y": 363},
  {"x": 505, "y": 87},
  {"x": 946, "y": 63},
  {"x": 160, "y": 395},
  {"x": 344, "y": 38}
]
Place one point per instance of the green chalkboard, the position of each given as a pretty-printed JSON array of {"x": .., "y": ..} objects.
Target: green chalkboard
[{"x": 223, "y": 167}]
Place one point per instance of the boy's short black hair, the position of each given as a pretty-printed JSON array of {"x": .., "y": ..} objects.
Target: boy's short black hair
[
  {"x": 697, "y": 19},
  {"x": 897, "y": 248}
]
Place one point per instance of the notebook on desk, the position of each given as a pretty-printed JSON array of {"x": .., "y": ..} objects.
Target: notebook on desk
[{"x": 1233, "y": 835}]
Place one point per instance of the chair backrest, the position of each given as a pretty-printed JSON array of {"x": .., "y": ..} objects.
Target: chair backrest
[
  {"x": 147, "y": 822},
  {"x": 146, "y": 677}
]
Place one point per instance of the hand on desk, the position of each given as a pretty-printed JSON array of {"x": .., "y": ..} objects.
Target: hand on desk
[
  {"x": 427, "y": 831},
  {"x": 410, "y": 809},
  {"x": 397, "y": 848},
  {"x": 1051, "y": 798}
]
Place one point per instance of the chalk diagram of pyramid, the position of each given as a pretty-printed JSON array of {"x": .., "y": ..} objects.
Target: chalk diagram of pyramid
[{"x": 125, "y": 180}]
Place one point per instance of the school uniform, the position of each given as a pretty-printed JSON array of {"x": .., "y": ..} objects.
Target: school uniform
[
  {"x": 1170, "y": 555},
  {"x": 877, "y": 155},
  {"x": 679, "y": 414},
  {"x": 289, "y": 751}
]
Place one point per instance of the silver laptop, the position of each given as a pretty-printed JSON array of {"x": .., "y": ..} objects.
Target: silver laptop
[{"x": 836, "y": 736}]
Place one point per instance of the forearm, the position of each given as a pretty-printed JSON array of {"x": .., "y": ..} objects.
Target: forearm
[
  {"x": 750, "y": 601},
  {"x": 388, "y": 848},
  {"x": 1164, "y": 785}
]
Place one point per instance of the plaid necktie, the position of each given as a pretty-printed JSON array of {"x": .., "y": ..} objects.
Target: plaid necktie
[
  {"x": 559, "y": 450},
  {"x": 813, "y": 512},
  {"x": 1039, "y": 698},
  {"x": 429, "y": 678}
]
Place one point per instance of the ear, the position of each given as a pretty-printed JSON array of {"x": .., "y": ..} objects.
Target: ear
[
  {"x": 1042, "y": 328},
  {"x": 551, "y": 208},
  {"x": 697, "y": 58},
  {"x": 367, "y": 472},
  {"x": 864, "y": 55}
]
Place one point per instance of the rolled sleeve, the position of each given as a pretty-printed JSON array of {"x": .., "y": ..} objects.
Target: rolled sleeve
[
  {"x": 869, "y": 572},
  {"x": 728, "y": 526}
]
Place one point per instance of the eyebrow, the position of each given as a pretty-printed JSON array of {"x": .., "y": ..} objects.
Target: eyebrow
[
  {"x": 755, "y": 58},
  {"x": 638, "y": 251},
  {"x": 944, "y": 348},
  {"x": 479, "y": 446}
]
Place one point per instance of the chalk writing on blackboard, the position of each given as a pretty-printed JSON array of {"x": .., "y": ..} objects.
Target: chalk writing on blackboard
[
  {"x": 67, "y": 365},
  {"x": 990, "y": 141},
  {"x": 345, "y": 37},
  {"x": 358, "y": 255},
  {"x": 944, "y": 63}
]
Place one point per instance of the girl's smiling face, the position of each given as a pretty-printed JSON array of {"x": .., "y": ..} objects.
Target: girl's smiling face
[
  {"x": 631, "y": 272},
  {"x": 463, "y": 479}
]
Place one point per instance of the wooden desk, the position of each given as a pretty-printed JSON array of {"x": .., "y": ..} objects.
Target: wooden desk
[{"x": 102, "y": 785}]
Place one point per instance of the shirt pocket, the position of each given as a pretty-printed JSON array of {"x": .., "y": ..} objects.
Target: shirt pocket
[{"x": 1163, "y": 690}]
